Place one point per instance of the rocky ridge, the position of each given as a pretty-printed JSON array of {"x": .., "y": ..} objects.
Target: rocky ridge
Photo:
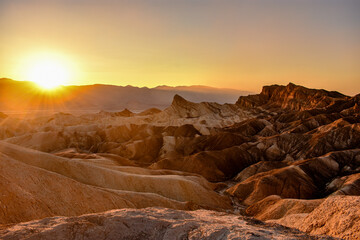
[
  {"x": 279, "y": 156},
  {"x": 291, "y": 97}
]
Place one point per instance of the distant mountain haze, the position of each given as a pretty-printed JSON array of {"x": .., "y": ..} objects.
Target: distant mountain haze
[{"x": 22, "y": 95}]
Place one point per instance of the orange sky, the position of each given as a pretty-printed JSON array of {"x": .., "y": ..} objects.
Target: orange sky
[{"x": 232, "y": 44}]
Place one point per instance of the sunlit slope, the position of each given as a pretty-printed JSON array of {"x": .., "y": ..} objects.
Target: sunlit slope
[{"x": 47, "y": 185}]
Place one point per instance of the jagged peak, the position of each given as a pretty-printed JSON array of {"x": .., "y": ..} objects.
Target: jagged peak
[
  {"x": 291, "y": 86},
  {"x": 178, "y": 100},
  {"x": 126, "y": 111}
]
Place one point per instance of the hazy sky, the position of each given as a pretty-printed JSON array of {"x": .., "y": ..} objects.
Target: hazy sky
[{"x": 233, "y": 44}]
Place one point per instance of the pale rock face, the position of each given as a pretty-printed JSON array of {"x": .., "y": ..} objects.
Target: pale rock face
[
  {"x": 275, "y": 207},
  {"x": 338, "y": 216},
  {"x": 42, "y": 141},
  {"x": 168, "y": 148},
  {"x": 182, "y": 111},
  {"x": 151, "y": 223}
]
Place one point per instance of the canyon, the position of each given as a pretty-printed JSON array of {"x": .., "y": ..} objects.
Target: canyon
[{"x": 281, "y": 164}]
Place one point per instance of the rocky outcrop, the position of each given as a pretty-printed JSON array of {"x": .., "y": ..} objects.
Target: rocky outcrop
[
  {"x": 215, "y": 166},
  {"x": 185, "y": 109},
  {"x": 291, "y": 97},
  {"x": 256, "y": 168},
  {"x": 275, "y": 207},
  {"x": 214, "y": 142},
  {"x": 150, "y": 111},
  {"x": 124, "y": 113},
  {"x": 287, "y": 182},
  {"x": 204, "y": 113},
  {"x": 346, "y": 185},
  {"x": 337, "y": 216},
  {"x": 302, "y": 179},
  {"x": 151, "y": 223}
]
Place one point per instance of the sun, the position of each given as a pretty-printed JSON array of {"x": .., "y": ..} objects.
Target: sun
[
  {"x": 49, "y": 69},
  {"x": 48, "y": 73}
]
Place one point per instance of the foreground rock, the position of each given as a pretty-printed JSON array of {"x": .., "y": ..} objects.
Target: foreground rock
[
  {"x": 337, "y": 216},
  {"x": 150, "y": 223}
]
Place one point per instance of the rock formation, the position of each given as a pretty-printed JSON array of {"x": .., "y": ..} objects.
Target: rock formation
[
  {"x": 151, "y": 223},
  {"x": 282, "y": 155},
  {"x": 291, "y": 97},
  {"x": 36, "y": 180},
  {"x": 337, "y": 216}
]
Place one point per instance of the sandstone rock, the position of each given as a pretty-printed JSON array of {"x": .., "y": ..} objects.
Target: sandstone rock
[
  {"x": 30, "y": 192},
  {"x": 321, "y": 169},
  {"x": 259, "y": 167},
  {"x": 274, "y": 207},
  {"x": 150, "y": 111},
  {"x": 292, "y": 97},
  {"x": 143, "y": 151},
  {"x": 125, "y": 113},
  {"x": 213, "y": 142},
  {"x": 55, "y": 185},
  {"x": 289, "y": 141},
  {"x": 287, "y": 182},
  {"x": 183, "y": 112},
  {"x": 150, "y": 223},
  {"x": 337, "y": 216},
  {"x": 213, "y": 165},
  {"x": 42, "y": 141},
  {"x": 347, "y": 185},
  {"x": 249, "y": 127},
  {"x": 186, "y": 130}
]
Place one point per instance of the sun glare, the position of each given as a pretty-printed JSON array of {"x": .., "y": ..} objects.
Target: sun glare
[
  {"x": 48, "y": 74},
  {"x": 48, "y": 71}
]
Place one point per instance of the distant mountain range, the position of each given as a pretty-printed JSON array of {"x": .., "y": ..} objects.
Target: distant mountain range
[{"x": 22, "y": 95}]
